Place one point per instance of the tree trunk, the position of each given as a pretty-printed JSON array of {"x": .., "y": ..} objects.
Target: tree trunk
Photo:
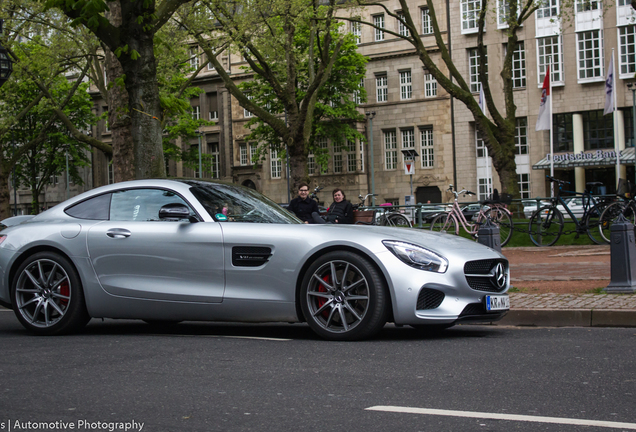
[
  {"x": 118, "y": 115},
  {"x": 145, "y": 107},
  {"x": 5, "y": 193}
]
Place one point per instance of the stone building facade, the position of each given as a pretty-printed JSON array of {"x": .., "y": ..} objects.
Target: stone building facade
[{"x": 407, "y": 110}]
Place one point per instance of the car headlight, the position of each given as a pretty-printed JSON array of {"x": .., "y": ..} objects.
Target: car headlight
[{"x": 416, "y": 256}]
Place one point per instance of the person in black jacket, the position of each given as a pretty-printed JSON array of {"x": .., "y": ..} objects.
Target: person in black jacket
[
  {"x": 340, "y": 211},
  {"x": 303, "y": 206}
]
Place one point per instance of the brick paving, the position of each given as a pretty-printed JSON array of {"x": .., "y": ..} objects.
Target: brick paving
[{"x": 564, "y": 263}]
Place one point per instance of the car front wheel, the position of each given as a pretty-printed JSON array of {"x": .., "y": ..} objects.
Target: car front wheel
[
  {"x": 47, "y": 295},
  {"x": 344, "y": 297}
]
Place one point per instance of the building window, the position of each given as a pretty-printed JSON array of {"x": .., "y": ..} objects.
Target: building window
[
  {"x": 352, "y": 160},
  {"x": 548, "y": 9},
  {"x": 337, "y": 157},
  {"x": 627, "y": 57},
  {"x": 213, "y": 150},
  {"x": 311, "y": 164},
  {"x": 586, "y": 5},
  {"x": 549, "y": 52},
  {"x": 361, "y": 147},
  {"x": 485, "y": 188},
  {"x": 402, "y": 29},
  {"x": 322, "y": 144},
  {"x": 356, "y": 31},
  {"x": 406, "y": 88},
  {"x": 524, "y": 185},
  {"x": 598, "y": 130},
  {"x": 590, "y": 55},
  {"x": 430, "y": 86},
  {"x": 213, "y": 115},
  {"x": 563, "y": 132},
  {"x": 473, "y": 63},
  {"x": 194, "y": 58},
  {"x": 470, "y": 15},
  {"x": 503, "y": 13},
  {"x": 519, "y": 66},
  {"x": 426, "y": 147},
  {"x": 196, "y": 113},
  {"x": 378, "y": 21},
  {"x": 357, "y": 94},
  {"x": 381, "y": 88},
  {"x": 408, "y": 138},
  {"x": 276, "y": 166},
  {"x": 521, "y": 136},
  {"x": 243, "y": 158},
  {"x": 427, "y": 23},
  {"x": 479, "y": 145},
  {"x": 390, "y": 150}
]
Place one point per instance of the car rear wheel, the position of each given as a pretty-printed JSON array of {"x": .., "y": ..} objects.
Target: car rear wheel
[
  {"x": 47, "y": 295},
  {"x": 343, "y": 297}
]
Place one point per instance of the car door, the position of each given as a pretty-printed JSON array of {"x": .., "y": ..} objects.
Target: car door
[{"x": 134, "y": 254}]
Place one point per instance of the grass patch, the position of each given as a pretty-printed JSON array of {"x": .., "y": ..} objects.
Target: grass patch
[{"x": 596, "y": 291}]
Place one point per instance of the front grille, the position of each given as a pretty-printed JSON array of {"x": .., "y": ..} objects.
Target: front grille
[
  {"x": 429, "y": 299},
  {"x": 480, "y": 275},
  {"x": 474, "y": 309}
]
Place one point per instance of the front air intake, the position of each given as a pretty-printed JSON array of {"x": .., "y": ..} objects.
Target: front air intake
[{"x": 429, "y": 299}]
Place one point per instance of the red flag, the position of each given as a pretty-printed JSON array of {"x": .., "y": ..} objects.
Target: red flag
[{"x": 543, "y": 120}]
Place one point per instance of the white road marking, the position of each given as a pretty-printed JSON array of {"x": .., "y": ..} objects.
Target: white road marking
[{"x": 511, "y": 417}]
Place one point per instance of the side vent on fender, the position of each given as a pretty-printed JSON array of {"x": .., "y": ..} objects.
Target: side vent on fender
[{"x": 250, "y": 256}]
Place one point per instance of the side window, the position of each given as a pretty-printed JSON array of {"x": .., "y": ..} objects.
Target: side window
[
  {"x": 141, "y": 204},
  {"x": 94, "y": 209}
]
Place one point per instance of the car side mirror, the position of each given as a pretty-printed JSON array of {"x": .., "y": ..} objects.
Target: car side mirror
[{"x": 174, "y": 211}]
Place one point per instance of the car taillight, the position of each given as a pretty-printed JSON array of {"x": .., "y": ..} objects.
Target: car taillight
[{"x": 2, "y": 237}]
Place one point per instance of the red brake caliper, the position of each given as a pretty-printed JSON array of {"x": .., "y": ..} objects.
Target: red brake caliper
[
  {"x": 65, "y": 290},
  {"x": 322, "y": 301}
]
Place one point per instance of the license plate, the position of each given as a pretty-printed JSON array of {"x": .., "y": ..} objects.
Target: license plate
[{"x": 497, "y": 303}]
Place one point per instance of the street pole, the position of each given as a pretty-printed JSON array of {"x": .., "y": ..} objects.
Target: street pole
[
  {"x": 67, "y": 182},
  {"x": 632, "y": 87},
  {"x": 287, "y": 154},
  {"x": 370, "y": 115},
  {"x": 199, "y": 133}
]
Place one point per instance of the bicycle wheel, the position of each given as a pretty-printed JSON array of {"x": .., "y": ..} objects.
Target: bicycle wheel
[
  {"x": 546, "y": 226},
  {"x": 503, "y": 220},
  {"x": 397, "y": 220},
  {"x": 611, "y": 212},
  {"x": 593, "y": 223},
  {"x": 443, "y": 222}
]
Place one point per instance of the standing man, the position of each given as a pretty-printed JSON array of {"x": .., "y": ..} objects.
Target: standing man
[{"x": 303, "y": 206}]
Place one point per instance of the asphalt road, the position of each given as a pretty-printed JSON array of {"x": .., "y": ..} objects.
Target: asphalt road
[{"x": 279, "y": 377}]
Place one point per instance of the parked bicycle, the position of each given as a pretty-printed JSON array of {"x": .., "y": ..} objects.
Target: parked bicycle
[
  {"x": 626, "y": 206},
  {"x": 384, "y": 216},
  {"x": 546, "y": 224},
  {"x": 493, "y": 209}
]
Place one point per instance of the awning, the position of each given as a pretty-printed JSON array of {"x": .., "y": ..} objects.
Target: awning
[{"x": 591, "y": 158}]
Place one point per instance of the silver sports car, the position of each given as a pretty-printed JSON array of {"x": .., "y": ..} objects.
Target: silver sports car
[{"x": 165, "y": 251}]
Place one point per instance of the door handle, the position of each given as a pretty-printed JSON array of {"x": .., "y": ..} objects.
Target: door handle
[{"x": 118, "y": 233}]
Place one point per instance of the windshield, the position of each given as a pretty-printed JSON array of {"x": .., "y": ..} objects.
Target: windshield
[{"x": 233, "y": 203}]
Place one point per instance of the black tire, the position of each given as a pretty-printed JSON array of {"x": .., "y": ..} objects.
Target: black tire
[
  {"x": 609, "y": 215},
  {"x": 593, "y": 224},
  {"x": 440, "y": 224},
  {"x": 546, "y": 226},
  {"x": 354, "y": 307},
  {"x": 397, "y": 220},
  {"x": 47, "y": 295},
  {"x": 503, "y": 220}
]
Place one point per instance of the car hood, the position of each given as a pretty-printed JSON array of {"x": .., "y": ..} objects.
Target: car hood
[{"x": 448, "y": 245}]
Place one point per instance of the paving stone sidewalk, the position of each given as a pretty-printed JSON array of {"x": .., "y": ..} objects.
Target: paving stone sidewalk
[{"x": 558, "y": 310}]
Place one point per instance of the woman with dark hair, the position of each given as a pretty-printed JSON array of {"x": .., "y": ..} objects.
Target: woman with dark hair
[{"x": 339, "y": 212}]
